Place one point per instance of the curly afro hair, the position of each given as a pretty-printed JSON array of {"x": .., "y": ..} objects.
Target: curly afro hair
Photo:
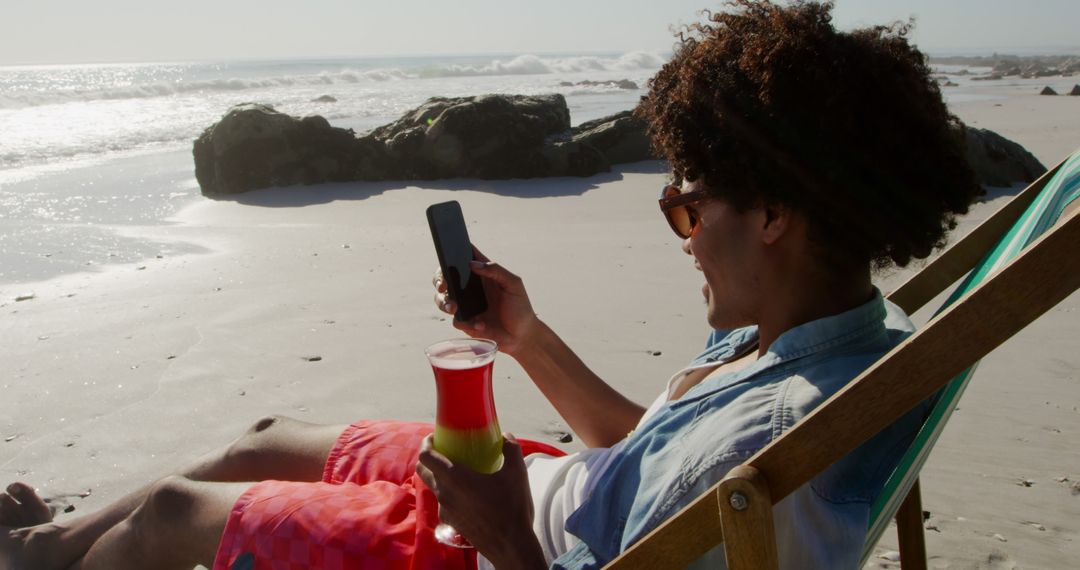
[{"x": 770, "y": 104}]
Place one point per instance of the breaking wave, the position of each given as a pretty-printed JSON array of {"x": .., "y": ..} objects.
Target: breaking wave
[{"x": 351, "y": 73}]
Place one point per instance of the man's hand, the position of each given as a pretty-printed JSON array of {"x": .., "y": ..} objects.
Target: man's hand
[
  {"x": 509, "y": 321},
  {"x": 494, "y": 511}
]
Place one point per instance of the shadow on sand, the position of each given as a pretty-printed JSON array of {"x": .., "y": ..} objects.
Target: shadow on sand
[{"x": 300, "y": 196}]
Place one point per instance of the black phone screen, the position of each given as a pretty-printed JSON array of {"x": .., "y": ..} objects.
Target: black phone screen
[{"x": 455, "y": 251}]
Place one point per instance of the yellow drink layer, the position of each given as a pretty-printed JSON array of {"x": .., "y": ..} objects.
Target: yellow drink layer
[{"x": 478, "y": 449}]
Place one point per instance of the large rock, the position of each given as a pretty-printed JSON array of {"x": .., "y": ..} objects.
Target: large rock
[
  {"x": 998, "y": 161},
  {"x": 490, "y": 136},
  {"x": 620, "y": 137},
  {"x": 254, "y": 146}
]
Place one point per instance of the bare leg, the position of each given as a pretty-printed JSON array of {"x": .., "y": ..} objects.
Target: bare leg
[
  {"x": 178, "y": 526},
  {"x": 273, "y": 448}
]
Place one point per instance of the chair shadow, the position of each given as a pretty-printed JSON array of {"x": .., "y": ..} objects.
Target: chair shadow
[{"x": 300, "y": 196}]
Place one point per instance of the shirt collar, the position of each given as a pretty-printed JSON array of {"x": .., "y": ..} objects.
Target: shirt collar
[{"x": 862, "y": 324}]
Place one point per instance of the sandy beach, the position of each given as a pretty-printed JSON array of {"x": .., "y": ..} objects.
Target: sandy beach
[{"x": 316, "y": 303}]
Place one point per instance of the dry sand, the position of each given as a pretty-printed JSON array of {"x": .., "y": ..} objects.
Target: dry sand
[{"x": 119, "y": 377}]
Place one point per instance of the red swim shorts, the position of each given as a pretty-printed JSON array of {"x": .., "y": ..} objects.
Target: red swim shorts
[{"x": 371, "y": 511}]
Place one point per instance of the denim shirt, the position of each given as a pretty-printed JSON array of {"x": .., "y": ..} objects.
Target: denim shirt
[{"x": 691, "y": 443}]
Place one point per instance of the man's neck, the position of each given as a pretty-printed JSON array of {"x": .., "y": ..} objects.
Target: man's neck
[{"x": 794, "y": 301}]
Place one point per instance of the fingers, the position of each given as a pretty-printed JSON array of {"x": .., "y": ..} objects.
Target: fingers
[
  {"x": 498, "y": 274},
  {"x": 438, "y": 282},
  {"x": 479, "y": 255},
  {"x": 443, "y": 302},
  {"x": 432, "y": 460}
]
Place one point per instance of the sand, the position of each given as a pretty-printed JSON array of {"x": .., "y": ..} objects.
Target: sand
[{"x": 317, "y": 303}]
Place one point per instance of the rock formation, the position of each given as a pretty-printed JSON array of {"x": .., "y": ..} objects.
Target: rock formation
[
  {"x": 998, "y": 161},
  {"x": 490, "y": 137},
  {"x": 621, "y": 84}
]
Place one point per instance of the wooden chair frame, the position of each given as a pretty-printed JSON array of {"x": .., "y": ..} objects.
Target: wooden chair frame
[{"x": 738, "y": 510}]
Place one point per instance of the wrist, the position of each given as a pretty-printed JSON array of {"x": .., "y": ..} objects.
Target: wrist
[
  {"x": 533, "y": 343},
  {"x": 521, "y": 551}
]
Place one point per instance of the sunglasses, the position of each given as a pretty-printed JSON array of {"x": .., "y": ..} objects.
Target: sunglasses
[{"x": 674, "y": 204}]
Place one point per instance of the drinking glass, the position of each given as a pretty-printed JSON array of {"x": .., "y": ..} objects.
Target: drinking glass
[{"x": 466, "y": 429}]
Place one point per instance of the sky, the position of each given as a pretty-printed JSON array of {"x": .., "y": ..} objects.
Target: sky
[{"x": 76, "y": 31}]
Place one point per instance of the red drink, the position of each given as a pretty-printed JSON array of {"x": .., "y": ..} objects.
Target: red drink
[{"x": 466, "y": 428}]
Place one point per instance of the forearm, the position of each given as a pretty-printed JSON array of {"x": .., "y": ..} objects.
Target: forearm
[{"x": 599, "y": 414}]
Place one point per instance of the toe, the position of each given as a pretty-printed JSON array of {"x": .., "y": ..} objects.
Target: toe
[
  {"x": 9, "y": 511},
  {"x": 33, "y": 508}
]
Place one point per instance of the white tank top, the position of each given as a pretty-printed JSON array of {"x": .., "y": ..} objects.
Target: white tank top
[{"x": 560, "y": 484}]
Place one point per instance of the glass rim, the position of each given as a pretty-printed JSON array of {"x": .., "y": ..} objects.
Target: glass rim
[{"x": 484, "y": 351}]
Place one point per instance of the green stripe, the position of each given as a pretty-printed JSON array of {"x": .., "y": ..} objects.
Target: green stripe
[{"x": 1043, "y": 213}]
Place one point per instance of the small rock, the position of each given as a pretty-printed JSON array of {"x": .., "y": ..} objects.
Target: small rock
[
  {"x": 69, "y": 444},
  {"x": 932, "y": 527},
  {"x": 1025, "y": 482},
  {"x": 10, "y": 438},
  {"x": 69, "y": 509},
  {"x": 1062, "y": 479},
  {"x": 171, "y": 357},
  {"x": 43, "y": 337},
  {"x": 325, "y": 99},
  {"x": 24, "y": 297},
  {"x": 140, "y": 268},
  {"x": 313, "y": 358},
  {"x": 243, "y": 393},
  {"x": 1001, "y": 538},
  {"x": 1075, "y": 488},
  {"x": 1048, "y": 91},
  {"x": 891, "y": 556},
  {"x": 346, "y": 246},
  {"x": 1036, "y": 526},
  {"x": 655, "y": 352}
]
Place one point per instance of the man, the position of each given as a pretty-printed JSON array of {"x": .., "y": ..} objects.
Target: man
[{"x": 803, "y": 157}]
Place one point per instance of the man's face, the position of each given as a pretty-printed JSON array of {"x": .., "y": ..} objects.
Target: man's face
[{"x": 725, "y": 246}]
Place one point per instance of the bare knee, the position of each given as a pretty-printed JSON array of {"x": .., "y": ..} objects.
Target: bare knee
[
  {"x": 158, "y": 524},
  {"x": 255, "y": 443},
  {"x": 170, "y": 501},
  {"x": 254, "y": 452}
]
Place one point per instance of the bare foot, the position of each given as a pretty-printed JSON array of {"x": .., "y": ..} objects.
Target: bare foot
[
  {"x": 21, "y": 507},
  {"x": 28, "y": 548}
]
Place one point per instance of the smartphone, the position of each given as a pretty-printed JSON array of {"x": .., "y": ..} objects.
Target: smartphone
[{"x": 455, "y": 251}]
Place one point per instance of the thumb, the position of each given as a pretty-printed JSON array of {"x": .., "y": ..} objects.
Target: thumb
[{"x": 512, "y": 455}]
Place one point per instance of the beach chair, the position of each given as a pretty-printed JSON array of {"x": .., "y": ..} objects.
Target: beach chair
[{"x": 1019, "y": 263}]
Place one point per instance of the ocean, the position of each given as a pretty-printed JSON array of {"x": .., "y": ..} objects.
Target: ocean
[{"x": 87, "y": 149}]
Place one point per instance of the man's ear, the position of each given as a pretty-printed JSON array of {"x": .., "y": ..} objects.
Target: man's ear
[{"x": 777, "y": 223}]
